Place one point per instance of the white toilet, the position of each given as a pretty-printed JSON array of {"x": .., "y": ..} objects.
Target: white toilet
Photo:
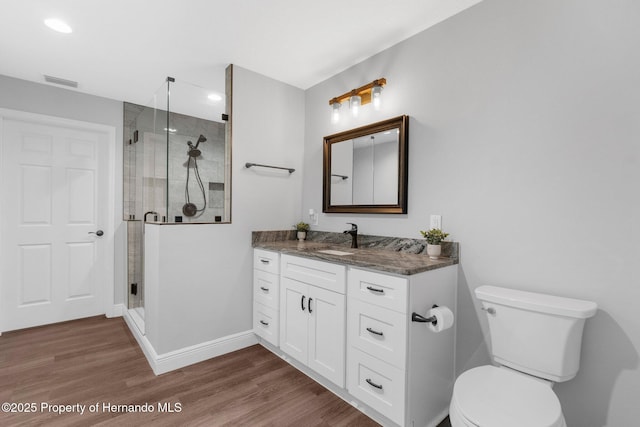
[{"x": 536, "y": 341}]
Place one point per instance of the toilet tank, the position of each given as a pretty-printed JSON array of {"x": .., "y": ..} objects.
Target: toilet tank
[{"x": 534, "y": 333}]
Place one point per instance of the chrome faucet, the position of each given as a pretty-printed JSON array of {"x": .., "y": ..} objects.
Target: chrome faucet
[{"x": 354, "y": 234}]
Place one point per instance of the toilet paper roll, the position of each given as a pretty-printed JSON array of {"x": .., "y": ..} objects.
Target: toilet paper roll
[{"x": 444, "y": 319}]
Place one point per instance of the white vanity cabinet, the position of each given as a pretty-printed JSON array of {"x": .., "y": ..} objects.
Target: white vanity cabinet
[
  {"x": 312, "y": 315},
  {"x": 400, "y": 368},
  {"x": 266, "y": 291},
  {"x": 352, "y": 326}
]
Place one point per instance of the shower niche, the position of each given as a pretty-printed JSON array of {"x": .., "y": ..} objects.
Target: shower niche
[{"x": 177, "y": 166}]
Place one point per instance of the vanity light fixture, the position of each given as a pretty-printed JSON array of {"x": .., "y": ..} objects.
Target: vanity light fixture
[{"x": 371, "y": 92}]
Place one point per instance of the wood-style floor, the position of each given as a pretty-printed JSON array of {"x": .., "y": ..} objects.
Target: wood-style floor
[{"x": 96, "y": 361}]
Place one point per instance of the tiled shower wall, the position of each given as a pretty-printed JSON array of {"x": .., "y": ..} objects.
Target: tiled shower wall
[
  {"x": 147, "y": 170},
  {"x": 211, "y": 165}
]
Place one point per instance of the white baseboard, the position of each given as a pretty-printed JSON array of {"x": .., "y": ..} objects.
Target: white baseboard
[
  {"x": 115, "y": 310},
  {"x": 197, "y": 353},
  {"x": 166, "y": 362},
  {"x": 143, "y": 342}
]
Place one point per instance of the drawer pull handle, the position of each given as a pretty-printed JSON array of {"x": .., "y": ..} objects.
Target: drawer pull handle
[
  {"x": 372, "y": 384},
  {"x": 372, "y": 289},
  {"x": 264, "y": 323},
  {"x": 373, "y": 331},
  {"x": 309, "y": 305},
  {"x": 264, "y": 261},
  {"x": 264, "y": 289},
  {"x": 302, "y": 303}
]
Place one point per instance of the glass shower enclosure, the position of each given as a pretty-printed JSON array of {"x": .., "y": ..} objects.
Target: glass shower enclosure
[{"x": 177, "y": 168}]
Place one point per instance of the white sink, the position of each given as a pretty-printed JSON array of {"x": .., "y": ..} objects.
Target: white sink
[{"x": 332, "y": 252}]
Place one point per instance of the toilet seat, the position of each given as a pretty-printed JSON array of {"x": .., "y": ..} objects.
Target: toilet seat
[{"x": 488, "y": 396}]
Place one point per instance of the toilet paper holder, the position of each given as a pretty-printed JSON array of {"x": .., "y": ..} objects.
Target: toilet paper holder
[{"x": 415, "y": 317}]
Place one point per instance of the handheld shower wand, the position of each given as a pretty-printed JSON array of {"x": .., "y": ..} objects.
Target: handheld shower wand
[
  {"x": 201, "y": 138},
  {"x": 189, "y": 208}
]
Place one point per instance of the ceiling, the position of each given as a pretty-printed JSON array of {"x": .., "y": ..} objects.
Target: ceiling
[{"x": 125, "y": 49}]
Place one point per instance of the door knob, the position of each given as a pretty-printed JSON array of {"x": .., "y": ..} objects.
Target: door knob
[{"x": 97, "y": 233}]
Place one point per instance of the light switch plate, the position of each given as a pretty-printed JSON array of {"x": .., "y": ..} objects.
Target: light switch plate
[{"x": 313, "y": 217}]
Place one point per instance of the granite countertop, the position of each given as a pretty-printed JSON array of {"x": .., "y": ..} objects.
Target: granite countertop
[{"x": 395, "y": 261}]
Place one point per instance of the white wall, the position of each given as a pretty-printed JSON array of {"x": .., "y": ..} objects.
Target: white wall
[
  {"x": 22, "y": 95},
  {"x": 524, "y": 135},
  {"x": 268, "y": 128}
]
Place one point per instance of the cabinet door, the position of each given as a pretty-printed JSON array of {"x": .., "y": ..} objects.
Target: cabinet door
[
  {"x": 327, "y": 334},
  {"x": 294, "y": 318}
]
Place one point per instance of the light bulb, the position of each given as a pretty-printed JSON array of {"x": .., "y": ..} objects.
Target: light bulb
[
  {"x": 335, "y": 112},
  {"x": 376, "y": 96},
  {"x": 355, "y": 101}
]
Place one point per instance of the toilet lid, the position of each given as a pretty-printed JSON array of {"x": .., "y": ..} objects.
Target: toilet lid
[{"x": 495, "y": 397}]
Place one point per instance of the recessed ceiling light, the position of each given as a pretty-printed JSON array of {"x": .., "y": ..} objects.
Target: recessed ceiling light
[
  {"x": 58, "y": 25},
  {"x": 214, "y": 97}
]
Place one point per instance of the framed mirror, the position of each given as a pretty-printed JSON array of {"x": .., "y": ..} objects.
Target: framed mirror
[{"x": 365, "y": 169}]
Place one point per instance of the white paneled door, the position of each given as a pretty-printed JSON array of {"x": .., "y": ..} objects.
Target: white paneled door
[{"x": 54, "y": 227}]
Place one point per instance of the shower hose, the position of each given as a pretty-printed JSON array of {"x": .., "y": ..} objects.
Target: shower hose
[{"x": 190, "y": 209}]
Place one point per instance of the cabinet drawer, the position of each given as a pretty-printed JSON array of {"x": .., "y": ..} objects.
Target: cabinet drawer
[
  {"x": 318, "y": 273},
  {"x": 266, "y": 261},
  {"x": 379, "y": 289},
  {"x": 266, "y": 323},
  {"x": 377, "y": 384},
  {"x": 266, "y": 288},
  {"x": 378, "y": 331}
]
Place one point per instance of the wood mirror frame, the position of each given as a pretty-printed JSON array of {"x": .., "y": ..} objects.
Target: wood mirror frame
[{"x": 401, "y": 123}]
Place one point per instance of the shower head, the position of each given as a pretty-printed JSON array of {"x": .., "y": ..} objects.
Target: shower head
[
  {"x": 193, "y": 149},
  {"x": 201, "y": 138}
]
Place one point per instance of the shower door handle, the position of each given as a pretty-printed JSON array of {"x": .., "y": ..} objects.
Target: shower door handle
[{"x": 98, "y": 233}]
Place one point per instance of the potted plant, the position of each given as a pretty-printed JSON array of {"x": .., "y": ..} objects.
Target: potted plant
[
  {"x": 434, "y": 237},
  {"x": 302, "y": 228}
]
